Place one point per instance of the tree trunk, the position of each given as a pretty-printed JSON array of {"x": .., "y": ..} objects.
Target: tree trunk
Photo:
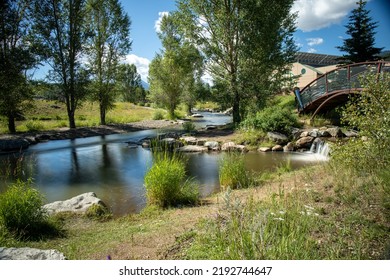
[
  {"x": 72, "y": 122},
  {"x": 11, "y": 123},
  {"x": 102, "y": 115}
]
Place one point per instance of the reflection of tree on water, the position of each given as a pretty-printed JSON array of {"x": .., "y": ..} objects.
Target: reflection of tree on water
[{"x": 16, "y": 167}]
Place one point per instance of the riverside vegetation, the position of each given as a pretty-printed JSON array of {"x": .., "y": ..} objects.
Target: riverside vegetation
[{"x": 337, "y": 210}]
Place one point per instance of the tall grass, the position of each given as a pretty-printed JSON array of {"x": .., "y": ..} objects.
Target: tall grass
[
  {"x": 21, "y": 212},
  {"x": 232, "y": 172},
  {"x": 166, "y": 182}
]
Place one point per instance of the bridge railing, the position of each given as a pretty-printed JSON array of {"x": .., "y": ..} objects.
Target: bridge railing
[{"x": 342, "y": 78}]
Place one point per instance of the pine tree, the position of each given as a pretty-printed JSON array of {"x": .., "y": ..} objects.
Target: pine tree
[{"x": 360, "y": 47}]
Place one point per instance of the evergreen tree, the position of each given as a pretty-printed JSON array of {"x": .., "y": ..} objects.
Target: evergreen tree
[{"x": 360, "y": 47}]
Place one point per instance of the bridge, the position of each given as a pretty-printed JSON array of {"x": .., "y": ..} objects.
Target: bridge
[{"x": 333, "y": 88}]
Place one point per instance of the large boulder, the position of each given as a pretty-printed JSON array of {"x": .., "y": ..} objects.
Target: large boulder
[
  {"x": 277, "y": 137},
  {"x": 231, "y": 146},
  {"x": 212, "y": 145},
  {"x": 10, "y": 145},
  {"x": 29, "y": 254},
  {"x": 335, "y": 132},
  {"x": 78, "y": 204},
  {"x": 304, "y": 142},
  {"x": 289, "y": 147}
]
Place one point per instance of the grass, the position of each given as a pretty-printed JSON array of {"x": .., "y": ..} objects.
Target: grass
[{"x": 47, "y": 115}]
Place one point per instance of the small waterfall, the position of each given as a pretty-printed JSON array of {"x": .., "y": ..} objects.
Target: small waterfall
[{"x": 320, "y": 148}]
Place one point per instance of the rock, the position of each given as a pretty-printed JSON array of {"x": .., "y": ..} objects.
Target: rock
[
  {"x": 264, "y": 149},
  {"x": 211, "y": 127},
  {"x": 289, "y": 147},
  {"x": 228, "y": 111},
  {"x": 277, "y": 137},
  {"x": 277, "y": 148},
  {"x": 296, "y": 132},
  {"x": 29, "y": 254},
  {"x": 304, "y": 134},
  {"x": 189, "y": 140},
  {"x": 196, "y": 116},
  {"x": 314, "y": 133},
  {"x": 10, "y": 145},
  {"x": 212, "y": 145},
  {"x": 324, "y": 133},
  {"x": 231, "y": 146},
  {"x": 351, "y": 133},
  {"x": 77, "y": 204},
  {"x": 304, "y": 142},
  {"x": 192, "y": 149},
  {"x": 146, "y": 144},
  {"x": 200, "y": 142},
  {"x": 335, "y": 131}
]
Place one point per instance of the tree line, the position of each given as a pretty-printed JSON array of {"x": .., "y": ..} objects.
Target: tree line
[
  {"x": 246, "y": 46},
  {"x": 83, "y": 42}
]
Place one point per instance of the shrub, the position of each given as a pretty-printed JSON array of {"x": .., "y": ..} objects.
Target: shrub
[
  {"x": 166, "y": 182},
  {"x": 232, "y": 172},
  {"x": 158, "y": 115},
  {"x": 189, "y": 126},
  {"x": 21, "y": 211},
  {"x": 274, "y": 118},
  {"x": 34, "y": 125}
]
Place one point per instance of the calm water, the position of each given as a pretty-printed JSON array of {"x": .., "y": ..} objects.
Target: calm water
[{"x": 109, "y": 167}]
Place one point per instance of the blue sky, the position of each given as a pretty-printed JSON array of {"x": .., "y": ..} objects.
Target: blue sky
[{"x": 321, "y": 26}]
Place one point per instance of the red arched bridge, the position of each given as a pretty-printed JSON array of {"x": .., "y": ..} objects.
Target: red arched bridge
[{"x": 333, "y": 88}]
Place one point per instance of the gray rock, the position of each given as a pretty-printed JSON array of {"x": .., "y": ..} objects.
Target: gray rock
[
  {"x": 351, "y": 133},
  {"x": 304, "y": 134},
  {"x": 314, "y": 133},
  {"x": 212, "y": 145},
  {"x": 335, "y": 131},
  {"x": 277, "y": 148},
  {"x": 289, "y": 147},
  {"x": 9, "y": 145},
  {"x": 189, "y": 140},
  {"x": 231, "y": 146},
  {"x": 277, "y": 137},
  {"x": 192, "y": 149},
  {"x": 324, "y": 133},
  {"x": 264, "y": 149},
  {"x": 77, "y": 204},
  {"x": 304, "y": 142},
  {"x": 29, "y": 254},
  {"x": 196, "y": 116}
]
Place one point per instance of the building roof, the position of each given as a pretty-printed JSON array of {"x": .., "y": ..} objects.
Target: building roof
[{"x": 316, "y": 60}]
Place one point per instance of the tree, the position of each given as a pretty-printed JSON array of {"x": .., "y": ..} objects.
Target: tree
[
  {"x": 16, "y": 58},
  {"x": 60, "y": 34},
  {"x": 130, "y": 83},
  {"x": 173, "y": 73},
  {"x": 361, "y": 29},
  {"x": 248, "y": 43},
  {"x": 109, "y": 42}
]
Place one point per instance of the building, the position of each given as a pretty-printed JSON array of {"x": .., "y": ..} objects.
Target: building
[{"x": 309, "y": 66}]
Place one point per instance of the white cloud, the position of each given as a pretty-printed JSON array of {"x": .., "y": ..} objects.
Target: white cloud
[
  {"x": 318, "y": 14},
  {"x": 314, "y": 41},
  {"x": 141, "y": 63},
  {"x": 311, "y": 50},
  {"x": 157, "y": 23}
]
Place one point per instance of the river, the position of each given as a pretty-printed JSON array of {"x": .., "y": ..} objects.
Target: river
[{"x": 112, "y": 169}]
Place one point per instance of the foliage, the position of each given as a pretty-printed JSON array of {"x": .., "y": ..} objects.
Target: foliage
[
  {"x": 360, "y": 46},
  {"x": 226, "y": 32},
  {"x": 21, "y": 212},
  {"x": 130, "y": 84},
  {"x": 232, "y": 172},
  {"x": 16, "y": 57},
  {"x": 158, "y": 115},
  {"x": 172, "y": 74},
  {"x": 60, "y": 34},
  {"x": 272, "y": 119},
  {"x": 369, "y": 113},
  {"x": 99, "y": 212},
  {"x": 166, "y": 182},
  {"x": 189, "y": 126},
  {"x": 109, "y": 41}
]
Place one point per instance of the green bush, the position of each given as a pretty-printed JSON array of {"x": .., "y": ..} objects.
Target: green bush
[
  {"x": 274, "y": 118},
  {"x": 34, "y": 125},
  {"x": 166, "y": 182},
  {"x": 158, "y": 115},
  {"x": 189, "y": 126},
  {"x": 21, "y": 212},
  {"x": 232, "y": 172}
]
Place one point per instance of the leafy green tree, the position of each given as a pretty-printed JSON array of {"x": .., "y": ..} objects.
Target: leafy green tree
[
  {"x": 248, "y": 44},
  {"x": 130, "y": 83},
  {"x": 108, "y": 43},
  {"x": 360, "y": 46},
  {"x": 16, "y": 57},
  {"x": 172, "y": 74},
  {"x": 60, "y": 35}
]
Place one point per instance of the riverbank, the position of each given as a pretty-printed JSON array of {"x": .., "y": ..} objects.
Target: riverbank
[{"x": 340, "y": 221}]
